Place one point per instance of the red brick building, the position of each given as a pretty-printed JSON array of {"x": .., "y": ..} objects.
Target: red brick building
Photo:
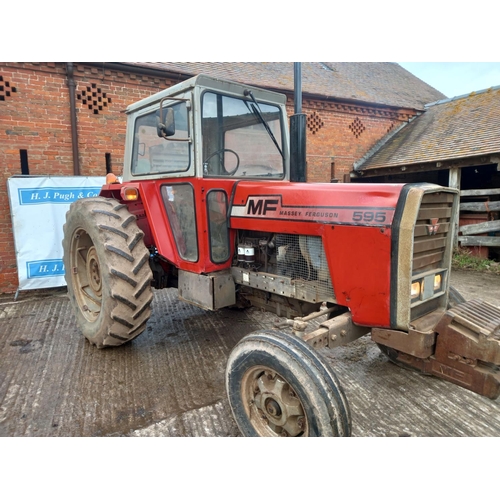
[{"x": 67, "y": 118}]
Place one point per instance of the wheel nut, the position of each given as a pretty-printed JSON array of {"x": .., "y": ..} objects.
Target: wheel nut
[{"x": 300, "y": 422}]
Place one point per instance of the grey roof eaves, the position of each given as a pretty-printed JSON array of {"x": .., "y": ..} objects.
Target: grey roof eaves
[{"x": 456, "y": 98}]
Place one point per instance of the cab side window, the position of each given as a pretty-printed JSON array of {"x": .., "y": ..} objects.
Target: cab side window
[
  {"x": 218, "y": 228},
  {"x": 179, "y": 204},
  {"x": 155, "y": 155}
]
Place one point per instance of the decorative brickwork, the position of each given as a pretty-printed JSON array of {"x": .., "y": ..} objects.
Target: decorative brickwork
[
  {"x": 314, "y": 122},
  {"x": 6, "y": 90},
  {"x": 357, "y": 127},
  {"x": 93, "y": 98}
]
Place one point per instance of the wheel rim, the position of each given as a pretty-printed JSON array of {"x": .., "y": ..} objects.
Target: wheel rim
[
  {"x": 86, "y": 274},
  {"x": 272, "y": 405}
]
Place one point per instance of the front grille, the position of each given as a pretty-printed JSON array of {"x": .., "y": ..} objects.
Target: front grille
[
  {"x": 422, "y": 238},
  {"x": 431, "y": 236},
  {"x": 431, "y": 249}
]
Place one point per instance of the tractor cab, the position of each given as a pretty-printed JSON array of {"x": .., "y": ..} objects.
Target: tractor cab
[
  {"x": 189, "y": 146},
  {"x": 210, "y": 129}
]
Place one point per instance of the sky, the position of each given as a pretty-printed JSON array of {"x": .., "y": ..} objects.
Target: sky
[{"x": 456, "y": 78}]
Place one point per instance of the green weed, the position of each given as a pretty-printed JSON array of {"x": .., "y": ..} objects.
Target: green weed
[{"x": 463, "y": 259}]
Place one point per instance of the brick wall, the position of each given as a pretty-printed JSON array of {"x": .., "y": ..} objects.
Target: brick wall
[
  {"x": 35, "y": 118},
  {"x": 35, "y": 121},
  {"x": 339, "y": 134}
]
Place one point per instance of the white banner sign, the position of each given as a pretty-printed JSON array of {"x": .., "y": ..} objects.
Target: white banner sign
[{"x": 38, "y": 207}]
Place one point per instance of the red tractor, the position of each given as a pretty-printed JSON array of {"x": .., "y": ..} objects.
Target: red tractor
[{"x": 213, "y": 202}]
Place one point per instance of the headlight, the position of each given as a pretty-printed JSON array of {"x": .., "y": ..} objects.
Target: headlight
[
  {"x": 437, "y": 282},
  {"x": 426, "y": 286},
  {"x": 415, "y": 290}
]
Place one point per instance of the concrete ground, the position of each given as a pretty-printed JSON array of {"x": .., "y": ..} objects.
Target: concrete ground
[{"x": 170, "y": 380}]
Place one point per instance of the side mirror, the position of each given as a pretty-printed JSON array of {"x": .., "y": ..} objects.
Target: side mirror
[{"x": 166, "y": 125}]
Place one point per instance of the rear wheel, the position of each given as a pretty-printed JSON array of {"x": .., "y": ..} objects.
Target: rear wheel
[
  {"x": 278, "y": 385},
  {"x": 107, "y": 271}
]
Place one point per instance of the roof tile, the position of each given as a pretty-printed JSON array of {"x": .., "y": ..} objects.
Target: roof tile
[
  {"x": 456, "y": 128},
  {"x": 382, "y": 83}
]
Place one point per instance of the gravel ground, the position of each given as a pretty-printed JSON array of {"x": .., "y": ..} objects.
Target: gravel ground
[{"x": 479, "y": 285}]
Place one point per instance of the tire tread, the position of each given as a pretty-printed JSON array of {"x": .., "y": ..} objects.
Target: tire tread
[
  {"x": 123, "y": 265},
  {"x": 334, "y": 415}
]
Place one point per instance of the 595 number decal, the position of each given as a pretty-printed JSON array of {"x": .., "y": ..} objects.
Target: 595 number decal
[{"x": 369, "y": 216}]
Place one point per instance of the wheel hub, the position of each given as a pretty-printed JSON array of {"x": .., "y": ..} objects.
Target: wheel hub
[
  {"x": 93, "y": 271},
  {"x": 274, "y": 408},
  {"x": 86, "y": 275}
]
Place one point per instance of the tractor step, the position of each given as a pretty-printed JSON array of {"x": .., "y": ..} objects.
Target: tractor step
[{"x": 467, "y": 350}]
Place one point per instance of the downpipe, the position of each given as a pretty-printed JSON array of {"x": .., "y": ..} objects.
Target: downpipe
[{"x": 72, "y": 106}]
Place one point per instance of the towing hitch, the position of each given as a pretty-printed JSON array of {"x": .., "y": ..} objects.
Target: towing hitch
[{"x": 466, "y": 348}]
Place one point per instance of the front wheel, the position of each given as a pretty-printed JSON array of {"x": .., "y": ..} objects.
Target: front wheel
[
  {"x": 107, "y": 271},
  {"x": 278, "y": 385}
]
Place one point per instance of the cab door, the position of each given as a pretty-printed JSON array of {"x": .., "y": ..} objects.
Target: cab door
[{"x": 197, "y": 217}]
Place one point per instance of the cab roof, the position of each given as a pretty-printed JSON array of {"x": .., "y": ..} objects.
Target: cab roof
[{"x": 209, "y": 82}]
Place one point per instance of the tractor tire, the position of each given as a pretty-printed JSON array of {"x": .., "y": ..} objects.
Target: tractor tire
[
  {"x": 107, "y": 271},
  {"x": 392, "y": 355},
  {"x": 277, "y": 385}
]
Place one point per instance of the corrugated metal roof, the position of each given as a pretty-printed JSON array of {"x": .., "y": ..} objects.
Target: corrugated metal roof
[
  {"x": 382, "y": 83},
  {"x": 461, "y": 127}
]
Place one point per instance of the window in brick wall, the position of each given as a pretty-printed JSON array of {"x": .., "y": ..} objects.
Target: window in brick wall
[
  {"x": 107, "y": 158},
  {"x": 357, "y": 127},
  {"x": 314, "y": 122},
  {"x": 93, "y": 98},
  {"x": 23, "y": 157},
  {"x": 6, "y": 89}
]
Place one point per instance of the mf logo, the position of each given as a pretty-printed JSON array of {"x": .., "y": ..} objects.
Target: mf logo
[
  {"x": 262, "y": 205},
  {"x": 433, "y": 227}
]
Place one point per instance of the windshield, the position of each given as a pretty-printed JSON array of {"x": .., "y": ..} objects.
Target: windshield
[
  {"x": 235, "y": 140},
  {"x": 153, "y": 154}
]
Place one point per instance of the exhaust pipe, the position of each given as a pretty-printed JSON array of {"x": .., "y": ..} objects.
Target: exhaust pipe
[{"x": 297, "y": 131}]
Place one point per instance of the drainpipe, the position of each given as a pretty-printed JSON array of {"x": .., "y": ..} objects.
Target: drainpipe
[{"x": 74, "y": 132}]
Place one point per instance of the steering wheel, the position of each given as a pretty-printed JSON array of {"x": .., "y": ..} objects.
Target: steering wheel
[{"x": 220, "y": 152}]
